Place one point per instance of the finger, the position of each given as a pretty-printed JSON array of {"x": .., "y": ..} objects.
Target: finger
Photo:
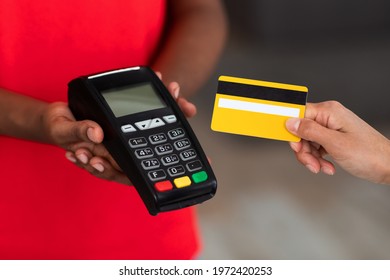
[
  {"x": 70, "y": 156},
  {"x": 188, "y": 108},
  {"x": 174, "y": 89},
  {"x": 311, "y": 110},
  {"x": 101, "y": 151},
  {"x": 308, "y": 158},
  {"x": 101, "y": 168},
  {"x": 330, "y": 114},
  {"x": 311, "y": 157},
  {"x": 327, "y": 167},
  {"x": 159, "y": 75},
  {"x": 296, "y": 146},
  {"x": 310, "y": 130},
  {"x": 318, "y": 152},
  {"x": 68, "y": 132},
  {"x": 83, "y": 155}
]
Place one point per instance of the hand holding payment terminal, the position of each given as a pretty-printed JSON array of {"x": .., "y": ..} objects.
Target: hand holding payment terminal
[{"x": 147, "y": 135}]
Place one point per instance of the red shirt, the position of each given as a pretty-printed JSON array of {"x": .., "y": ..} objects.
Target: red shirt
[{"x": 49, "y": 208}]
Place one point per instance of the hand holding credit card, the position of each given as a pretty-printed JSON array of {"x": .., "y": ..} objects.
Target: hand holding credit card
[{"x": 257, "y": 108}]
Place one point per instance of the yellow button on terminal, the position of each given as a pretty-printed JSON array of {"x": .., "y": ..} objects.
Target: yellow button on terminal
[{"x": 182, "y": 182}]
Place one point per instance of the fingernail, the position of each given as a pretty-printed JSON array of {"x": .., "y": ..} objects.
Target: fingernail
[
  {"x": 99, "y": 167},
  {"x": 91, "y": 135},
  {"x": 70, "y": 157},
  {"x": 292, "y": 124},
  {"x": 176, "y": 92},
  {"x": 294, "y": 146},
  {"x": 327, "y": 170},
  {"x": 82, "y": 158},
  {"x": 311, "y": 168}
]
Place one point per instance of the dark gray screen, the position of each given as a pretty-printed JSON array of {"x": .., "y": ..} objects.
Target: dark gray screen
[{"x": 132, "y": 99}]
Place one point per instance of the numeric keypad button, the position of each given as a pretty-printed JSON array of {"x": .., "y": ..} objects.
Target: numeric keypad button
[
  {"x": 188, "y": 154},
  {"x": 182, "y": 144},
  {"x": 176, "y": 133},
  {"x": 158, "y": 138},
  {"x": 164, "y": 149},
  {"x": 138, "y": 142},
  {"x": 169, "y": 160},
  {"x": 157, "y": 175},
  {"x": 194, "y": 165},
  {"x": 152, "y": 163},
  {"x": 144, "y": 153},
  {"x": 176, "y": 170}
]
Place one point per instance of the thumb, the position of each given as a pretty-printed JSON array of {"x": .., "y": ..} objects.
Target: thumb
[
  {"x": 75, "y": 131},
  {"x": 309, "y": 130}
]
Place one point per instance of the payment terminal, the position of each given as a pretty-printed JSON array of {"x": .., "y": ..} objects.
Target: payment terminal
[{"x": 147, "y": 135}]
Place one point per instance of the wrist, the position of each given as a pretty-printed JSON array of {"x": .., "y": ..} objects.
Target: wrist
[
  {"x": 387, "y": 172},
  {"x": 50, "y": 115},
  {"x": 386, "y": 164},
  {"x": 43, "y": 120},
  {"x": 30, "y": 125}
]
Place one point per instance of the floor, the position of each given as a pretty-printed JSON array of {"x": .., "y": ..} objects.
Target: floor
[{"x": 267, "y": 205}]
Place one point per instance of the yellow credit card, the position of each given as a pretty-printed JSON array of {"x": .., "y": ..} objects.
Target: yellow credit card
[{"x": 257, "y": 108}]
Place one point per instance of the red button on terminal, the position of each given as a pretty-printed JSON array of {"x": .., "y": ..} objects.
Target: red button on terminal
[{"x": 163, "y": 186}]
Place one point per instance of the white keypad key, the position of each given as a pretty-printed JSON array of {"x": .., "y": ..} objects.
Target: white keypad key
[
  {"x": 128, "y": 128},
  {"x": 143, "y": 124},
  {"x": 170, "y": 118}
]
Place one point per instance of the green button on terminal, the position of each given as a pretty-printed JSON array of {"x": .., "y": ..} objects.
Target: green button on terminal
[{"x": 199, "y": 177}]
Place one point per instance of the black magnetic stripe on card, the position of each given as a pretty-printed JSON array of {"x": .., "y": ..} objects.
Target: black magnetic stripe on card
[{"x": 260, "y": 92}]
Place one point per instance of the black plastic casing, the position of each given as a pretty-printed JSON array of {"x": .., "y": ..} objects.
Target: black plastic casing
[{"x": 86, "y": 102}]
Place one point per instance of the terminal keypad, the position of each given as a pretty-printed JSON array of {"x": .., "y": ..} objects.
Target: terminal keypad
[{"x": 169, "y": 159}]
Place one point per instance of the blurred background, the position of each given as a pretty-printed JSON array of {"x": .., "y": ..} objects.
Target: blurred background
[{"x": 267, "y": 205}]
